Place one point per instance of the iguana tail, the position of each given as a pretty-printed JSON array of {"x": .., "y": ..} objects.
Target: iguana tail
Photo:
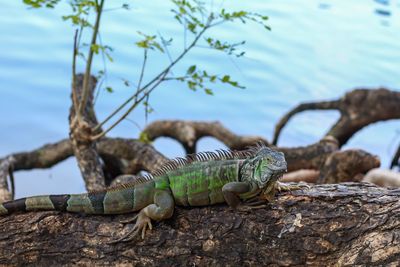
[
  {"x": 74, "y": 203},
  {"x": 101, "y": 202}
]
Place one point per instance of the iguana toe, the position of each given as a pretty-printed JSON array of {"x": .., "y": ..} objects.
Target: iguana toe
[
  {"x": 130, "y": 220},
  {"x": 142, "y": 223},
  {"x": 282, "y": 187}
]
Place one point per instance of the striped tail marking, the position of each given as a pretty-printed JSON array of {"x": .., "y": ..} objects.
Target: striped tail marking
[{"x": 49, "y": 202}]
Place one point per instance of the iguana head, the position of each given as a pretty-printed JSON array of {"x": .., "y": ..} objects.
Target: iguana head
[{"x": 267, "y": 166}]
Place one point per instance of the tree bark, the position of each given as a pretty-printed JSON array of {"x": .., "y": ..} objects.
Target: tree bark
[
  {"x": 326, "y": 225},
  {"x": 85, "y": 150}
]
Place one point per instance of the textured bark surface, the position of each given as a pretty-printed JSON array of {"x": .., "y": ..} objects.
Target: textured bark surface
[
  {"x": 309, "y": 157},
  {"x": 358, "y": 108},
  {"x": 347, "y": 166},
  {"x": 326, "y": 225},
  {"x": 84, "y": 148}
]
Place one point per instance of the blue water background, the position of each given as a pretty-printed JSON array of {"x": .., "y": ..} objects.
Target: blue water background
[{"x": 317, "y": 50}]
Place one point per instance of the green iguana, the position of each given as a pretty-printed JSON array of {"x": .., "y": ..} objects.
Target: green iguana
[{"x": 200, "y": 179}]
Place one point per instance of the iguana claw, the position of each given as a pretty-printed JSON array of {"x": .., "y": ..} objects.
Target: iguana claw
[
  {"x": 282, "y": 187},
  {"x": 142, "y": 222}
]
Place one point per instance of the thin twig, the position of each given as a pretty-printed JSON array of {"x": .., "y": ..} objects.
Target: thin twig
[
  {"x": 75, "y": 52},
  {"x": 164, "y": 43},
  {"x": 85, "y": 86},
  {"x": 142, "y": 70},
  {"x": 129, "y": 99},
  {"x": 104, "y": 77},
  {"x": 146, "y": 109},
  {"x": 134, "y": 105},
  {"x": 163, "y": 73}
]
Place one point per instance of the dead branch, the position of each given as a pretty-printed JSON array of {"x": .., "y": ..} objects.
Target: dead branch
[
  {"x": 343, "y": 166},
  {"x": 357, "y": 108},
  {"x": 347, "y": 166},
  {"x": 309, "y": 157},
  {"x": 324, "y": 163},
  {"x": 43, "y": 157},
  {"x": 327, "y": 225},
  {"x": 188, "y": 133},
  {"x": 121, "y": 156},
  {"x": 128, "y": 156}
]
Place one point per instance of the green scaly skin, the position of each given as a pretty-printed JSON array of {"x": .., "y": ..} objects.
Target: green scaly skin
[{"x": 204, "y": 181}]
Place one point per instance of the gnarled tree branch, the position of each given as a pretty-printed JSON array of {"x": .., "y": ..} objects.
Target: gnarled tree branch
[
  {"x": 121, "y": 156},
  {"x": 347, "y": 166},
  {"x": 309, "y": 157},
  {"x": 358, "y": 109},
  {"x": 189, "y": 132}
]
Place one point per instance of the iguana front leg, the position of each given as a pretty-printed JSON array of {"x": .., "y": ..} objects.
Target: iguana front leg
[
  {"x": 163, "y": 208},
  {"x": 231, "y": 192}
]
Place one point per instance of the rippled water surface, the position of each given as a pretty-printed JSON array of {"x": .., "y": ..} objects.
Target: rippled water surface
[{"x": 316, "y": 50}]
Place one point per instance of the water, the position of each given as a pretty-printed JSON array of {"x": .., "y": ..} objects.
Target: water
[{"x": 317, "y": 50}]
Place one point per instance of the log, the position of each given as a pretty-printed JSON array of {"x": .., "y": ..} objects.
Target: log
[{"x": 326, "y": 225}]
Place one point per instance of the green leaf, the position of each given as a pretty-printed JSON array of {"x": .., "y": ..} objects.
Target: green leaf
[
  {"x": 41, "y": 3},
  {"x": 225, "y": 79},
  {"x": 191, "y": 69},
  {"x": 109, "y": 89},
  {"x": 182, "y": 10},
  {"x": 126, "y": 83},
  {"x": 192, "y": 85},
  {"x": 149, "y": 42},
  {"x": 144, "y": 138},
  {"x": 109, "y": 57},
  {"x": 95, "y": 48},
  {"x": 208, "y": 91}
]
